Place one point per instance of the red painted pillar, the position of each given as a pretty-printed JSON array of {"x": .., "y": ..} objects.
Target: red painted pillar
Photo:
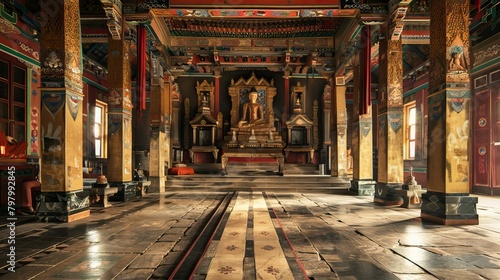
[
  {"x": 287, "y": 91},
  {"x": 216, "y": 93}
]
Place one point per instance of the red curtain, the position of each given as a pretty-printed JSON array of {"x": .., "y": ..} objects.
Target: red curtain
[
  {"x": 366, "y": 80},
  {"x": 141, "y": 63}
]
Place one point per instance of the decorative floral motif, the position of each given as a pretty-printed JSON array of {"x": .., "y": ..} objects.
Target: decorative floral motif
[
  {"x": 482, "y": 122},
  {"x": 73, "y": 103},
  {"x": 231, "y": 247},
  {"x": 268, "y": 248},
  {"x": 481, "y": 56},
  {"x": 7, "y": 27},
  {"x": 53, "y": 101},
  {"x": 395, "y": 121},
  {"x": 481, "y": 151},
  {"x": 115, "y": 98},
  {"x": 52, "y": 61},
  {"x": 365, "y": 129},
  {"x": 273, "y": 270},
  {"x": 457, "y": 104},
  {"x": 234, "y": 233},
  {"x": 226, "y": 269},
  {"x": 265, "y": 233}
]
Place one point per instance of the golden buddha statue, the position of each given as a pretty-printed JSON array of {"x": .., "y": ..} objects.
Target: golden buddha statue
[{"x": 253, "y": 112}]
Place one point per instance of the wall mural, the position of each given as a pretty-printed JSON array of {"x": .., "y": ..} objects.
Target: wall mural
[
  {"x": 458, "y": 164},
  {"x": 457, "y": 140}
]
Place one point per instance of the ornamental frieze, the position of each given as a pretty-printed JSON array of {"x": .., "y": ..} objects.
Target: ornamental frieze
[{"x": 484, "y": 55}]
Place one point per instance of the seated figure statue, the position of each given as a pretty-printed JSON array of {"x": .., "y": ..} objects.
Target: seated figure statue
[{"x": 253, "y": 112}]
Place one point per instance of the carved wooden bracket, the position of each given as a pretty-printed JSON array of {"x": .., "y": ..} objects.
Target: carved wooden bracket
[{"x": 113, "y": 9}]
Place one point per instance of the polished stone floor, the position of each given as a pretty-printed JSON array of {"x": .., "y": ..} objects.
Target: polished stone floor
[{"x": 264, "y": 235}]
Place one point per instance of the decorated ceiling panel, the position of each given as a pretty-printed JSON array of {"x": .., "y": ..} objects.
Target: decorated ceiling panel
[
  {"x": 256, "y": 33},
  {"x": 250, "y": 3}
]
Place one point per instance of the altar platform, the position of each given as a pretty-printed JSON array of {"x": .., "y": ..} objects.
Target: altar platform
[{"x": 263, "y": 177}]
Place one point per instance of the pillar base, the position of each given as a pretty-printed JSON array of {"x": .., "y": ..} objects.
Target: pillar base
[
  {"x": 449, "y": 209},
  {"x": 62, "y": 206},
  {"x": 157, "y": 184},
  {"x": 363, "y": 187},
  {"x": 126, "y": 191},
  {"x": 385, "y": 193}
]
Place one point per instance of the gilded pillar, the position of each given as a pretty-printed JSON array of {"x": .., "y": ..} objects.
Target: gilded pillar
[
  {"x": 119, "y": 169},
  {"x": 167, "y": 120},
  {"x": 447, "y": 200},
  {"x": 63, "y": 198},
  {"x": 362, "y": 142},
  {"x": 339, "y": 129},
  {"x": 157, "y": 136},
  {"x": 390, "y": 123}
]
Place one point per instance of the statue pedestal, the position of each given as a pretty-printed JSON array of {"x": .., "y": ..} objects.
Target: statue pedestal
[{"x": 253, "y": 137}]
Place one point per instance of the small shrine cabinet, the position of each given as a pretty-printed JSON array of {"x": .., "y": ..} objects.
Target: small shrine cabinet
[
  {"x": 203, "y": 125},
  {"x": 204, "y": 131},
  {"x": 298, "y": 99},
  {"x": 299, "y": 126},
  {"x": 299, "y": 129},
  {"x": 205, "y": 92}
]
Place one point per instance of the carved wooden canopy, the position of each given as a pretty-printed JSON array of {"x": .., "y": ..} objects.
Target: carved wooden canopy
[{"x": 239, "y": 95}]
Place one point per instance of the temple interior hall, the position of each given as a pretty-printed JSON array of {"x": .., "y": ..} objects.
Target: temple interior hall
[{"x": 278, "y": 139}]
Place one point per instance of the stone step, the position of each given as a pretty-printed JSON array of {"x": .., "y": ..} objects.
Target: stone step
[
  {"x": 250, "y": 169},
  {"x": 258, "y": 181}
]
